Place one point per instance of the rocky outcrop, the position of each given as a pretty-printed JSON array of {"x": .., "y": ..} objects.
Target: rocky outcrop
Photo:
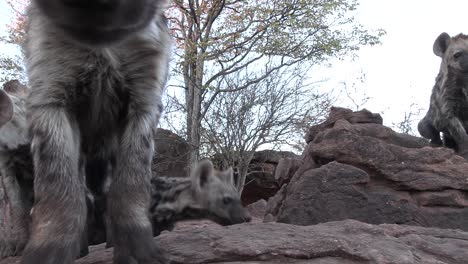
[
  {"x": 347, "y": 242},
  {"x": 367, "y": 172},
  {"x": 171, "y": 154},
  {"x": 260, "y": 182}
]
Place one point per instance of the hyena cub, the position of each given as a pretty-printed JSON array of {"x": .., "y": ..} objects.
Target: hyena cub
[
  {"x": 448, "y": 110},
  {"x": 96, "y": 71},
  {"x": 207, "y": 194},
  {"x": 16, "y": 175}
]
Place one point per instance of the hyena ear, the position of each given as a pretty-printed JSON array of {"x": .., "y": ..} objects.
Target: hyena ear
[
  {"x": 202, "y": 173},
  {"x": 228, "y": 176},
  {"x": 441, "y": 44},
  {"x": 6, "y": 108}
]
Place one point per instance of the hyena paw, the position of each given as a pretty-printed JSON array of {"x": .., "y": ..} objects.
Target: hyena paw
[{"x": 139, "y": 247}]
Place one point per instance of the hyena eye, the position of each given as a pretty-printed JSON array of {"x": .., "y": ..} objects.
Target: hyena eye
[
  {"x": 227, "y": 200},
  {"x": 457, "y": 54}
]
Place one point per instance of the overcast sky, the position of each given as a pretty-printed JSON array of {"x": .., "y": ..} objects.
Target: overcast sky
[{"x": 400, "y": 71}]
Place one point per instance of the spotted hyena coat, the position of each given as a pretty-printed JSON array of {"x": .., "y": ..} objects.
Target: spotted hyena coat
[
  {"x": 207, "y": 194},
  {"x": 448, "y": 110},
  {"x": 96, "y": 72}
]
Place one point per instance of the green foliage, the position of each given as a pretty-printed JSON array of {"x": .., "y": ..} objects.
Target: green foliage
[
  {"x": 11, "y": 68},
  {"x": 312, "y": 30}
]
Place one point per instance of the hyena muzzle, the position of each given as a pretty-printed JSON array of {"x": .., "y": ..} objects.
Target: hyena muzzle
[{"x": 96, "y": 70}]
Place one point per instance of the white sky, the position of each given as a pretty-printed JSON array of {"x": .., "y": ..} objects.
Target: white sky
[{"x": 400, "y": 71}]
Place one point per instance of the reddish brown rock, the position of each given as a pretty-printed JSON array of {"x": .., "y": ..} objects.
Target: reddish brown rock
[
  {"x": 347, "y": 242},
  {"x": 367, "y": 172},
  {"x": 338, "y": 113}
]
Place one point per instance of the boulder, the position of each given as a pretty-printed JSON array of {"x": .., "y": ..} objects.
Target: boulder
[
  {"x": 260, "y": 182},
  {"x": 368, "y": 172},
  {"x": 338, "y": 113},
  {"x": 171, "y": 154},
  {"x": 347, "y": 242}
]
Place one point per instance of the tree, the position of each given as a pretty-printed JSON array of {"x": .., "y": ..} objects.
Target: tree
[
  {"x": 270, "y": 112},
  {"x": 218, "y": 39},
  {"x": 410, "y": 120},
  {"x": 11, "y": 66}
]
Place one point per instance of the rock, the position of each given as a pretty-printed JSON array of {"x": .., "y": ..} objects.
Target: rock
[
  {"x": 367, "y": 172},
  {"x": 286, "y": 169},
  {"x": 347, "y": 242},
  {"x": 171, "y": 155},
  {"x": 260, "y": 182},
  {"x": 337, "y": 113},
  {"x": 271, "y": 156},
  {"x": 257, "y": 209}
]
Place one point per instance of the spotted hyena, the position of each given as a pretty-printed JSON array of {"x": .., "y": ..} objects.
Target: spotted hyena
[
  {"x": 96, "y": 72},
  {"x": 16, "y": 175},
  {"x": 207, "y": 194},
  {"x": 448, "y": 110}
]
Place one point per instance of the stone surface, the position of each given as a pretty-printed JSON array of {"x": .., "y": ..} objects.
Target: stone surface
[
  {"x": 347, "y": 242},
  {"x": 260, "y": 182},
  {"x": 257, "y": 209},
  {"x": 367, "y": 172},
  {"x": 338, "y": 113},
  {"x": 286, "y": 169},
  {"x": 171, "y": 155}
]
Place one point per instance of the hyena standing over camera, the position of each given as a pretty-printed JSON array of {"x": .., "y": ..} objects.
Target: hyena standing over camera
[
  {"x": 448, "y": 111},
  {"x": 97, "y": 69}
]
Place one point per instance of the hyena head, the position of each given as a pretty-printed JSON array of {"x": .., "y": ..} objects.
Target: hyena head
[
  {"x": 13, "y": 132},
  {"x": 100, "y": 21},
  {"x": 453, "y": 51},
  {"x": 215, "y": 191}
]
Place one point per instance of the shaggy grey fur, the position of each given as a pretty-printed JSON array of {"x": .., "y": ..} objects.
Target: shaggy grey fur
[
  {"x": 448, "y": 110},
  {"x": 96, "y": 71}
]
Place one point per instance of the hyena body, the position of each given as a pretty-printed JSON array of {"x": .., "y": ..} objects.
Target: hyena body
[
  {"x": 448, "y": 110},
  {"x": 96, "y": 71},
  {"x": 16, "y": 174},
  {"x": 207, "y": 194}
]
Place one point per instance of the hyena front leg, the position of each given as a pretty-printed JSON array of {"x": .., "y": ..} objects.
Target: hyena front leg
[
  {"x": 59, "y": 211},
  {"x": 457, "y": 132},
  {"x": 129, "y": 195}
]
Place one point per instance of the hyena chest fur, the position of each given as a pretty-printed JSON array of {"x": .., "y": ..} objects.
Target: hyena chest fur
[
  {"x": 100, "y": 101},
  {"x": 452, "y": 93}
]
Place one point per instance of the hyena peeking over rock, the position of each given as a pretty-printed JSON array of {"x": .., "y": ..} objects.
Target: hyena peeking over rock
[
  {"x": 207, "y": 194},
  {"x": 96, "y": 71},
  {"x": 448, "y": 110}
]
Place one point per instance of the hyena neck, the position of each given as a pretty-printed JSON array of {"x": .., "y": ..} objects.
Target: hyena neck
[
  {"x": 174, "y": 200},
  {"x": 455, "y": 80}
]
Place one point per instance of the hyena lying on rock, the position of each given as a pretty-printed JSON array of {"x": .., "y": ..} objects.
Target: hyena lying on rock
[
  {"x": 207, "y": 194},
  {"x": 448, "y": 110},
  {"x": 96, "y": 71}
]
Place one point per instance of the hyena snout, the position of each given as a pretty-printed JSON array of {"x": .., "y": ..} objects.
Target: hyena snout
[
  {"x": 100, "y": 22},
  {"x": 96, "y": 5},
  {"x": 237, "y": 214}
]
